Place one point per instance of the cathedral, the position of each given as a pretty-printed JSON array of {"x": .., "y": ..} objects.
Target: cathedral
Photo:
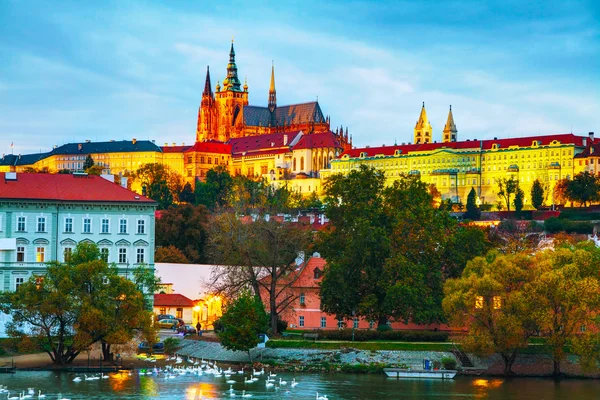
[{"x": 226, "y": 114}]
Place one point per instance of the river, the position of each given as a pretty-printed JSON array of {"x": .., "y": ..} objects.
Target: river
[{"x": 335, "y": 386}]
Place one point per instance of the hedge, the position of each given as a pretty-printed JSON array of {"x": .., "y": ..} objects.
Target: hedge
[
  {"x": 554, "y": 225},
  {"x": 402, "y": 336},
  {"x": 580, "y": 215}
]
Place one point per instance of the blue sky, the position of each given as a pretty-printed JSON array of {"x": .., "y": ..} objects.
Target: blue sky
[{"x": 75, "y": 70}]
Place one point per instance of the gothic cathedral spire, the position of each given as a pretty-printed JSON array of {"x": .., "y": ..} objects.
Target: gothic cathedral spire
[
  {"x": 272, "y": 92},
  {"x": 450, "y": 131},
  {"x": 423, "y": 130},
  {"x": 232, "y": 82},
  {"x": 207, "y": 86}
]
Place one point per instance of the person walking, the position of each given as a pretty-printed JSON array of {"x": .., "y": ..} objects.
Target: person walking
[{"x": 198, "y": 329}]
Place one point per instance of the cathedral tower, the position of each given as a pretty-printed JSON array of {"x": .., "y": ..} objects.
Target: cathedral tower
[
  {"x": 449, "y": 134},
  {"x": 207, "y": 114},
  {"x": 231, "y": 99},
  {"x": 423, "y": 130}
]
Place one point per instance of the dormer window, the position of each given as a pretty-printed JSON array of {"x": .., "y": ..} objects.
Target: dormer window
[{"x": 317, "y": 273}]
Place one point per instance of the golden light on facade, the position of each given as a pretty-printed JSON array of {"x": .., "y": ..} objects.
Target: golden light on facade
[{"x": 479, "y": 302}]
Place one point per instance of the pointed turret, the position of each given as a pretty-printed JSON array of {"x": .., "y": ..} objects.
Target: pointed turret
[
  {"x": 450, "y": 131},
  {"x": 207, "y": 86},
  {"x": 232, "y": 82},
  {"x": 423, "y": 128},
  {"x": 272, "y": 92}
]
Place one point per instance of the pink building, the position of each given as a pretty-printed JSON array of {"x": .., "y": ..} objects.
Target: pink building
[{"x": 305, "y": 311}]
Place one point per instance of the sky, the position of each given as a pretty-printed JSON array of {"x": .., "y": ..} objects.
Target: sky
[{"x": 99, "y": 70}]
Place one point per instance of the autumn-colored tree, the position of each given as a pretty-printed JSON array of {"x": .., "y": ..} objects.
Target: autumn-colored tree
[
  {"x": 160, "y": 182},
  {"x": 584, "y": 188},
  {"x": 170, "y": 254},
  {"x": 566, "y": 295},
  {"x": 242, "y": 321},
  {"x": 94, "y": 170},
  {"x": 490, "y": 301},
  {"x": 560, "y": 192},
  {"x": 436, "y": 195},
  {"x": 260, "y": 255},
  {"x": 185, "y": 227}
]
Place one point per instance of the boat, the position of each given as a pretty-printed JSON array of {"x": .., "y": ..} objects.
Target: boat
[{"x": 420, "y": 373}]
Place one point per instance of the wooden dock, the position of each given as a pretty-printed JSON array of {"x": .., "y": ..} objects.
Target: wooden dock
[{"x": 8, "y": 368}]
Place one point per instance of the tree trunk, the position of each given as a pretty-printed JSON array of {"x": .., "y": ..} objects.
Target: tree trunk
[
  {"x": 509, "y": 360},
  {"x": 105, "y": 351},
  {"x": 250, "y": 356},
  {"x": 274, "y": 319},
  {"x": 556, "y": 368},
  {"x": 381, "y": 321}
]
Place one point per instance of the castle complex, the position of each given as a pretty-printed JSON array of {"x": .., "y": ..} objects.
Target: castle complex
[{"x": 294, "y": 145}]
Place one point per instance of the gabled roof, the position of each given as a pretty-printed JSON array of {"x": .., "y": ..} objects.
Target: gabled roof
[
  {"x": 284, "y": 115},
  {"x": 211, "y": 147},
  {"x": 173, "y": 299},
  {"x": 66, "y": 187},
  {"x": 25, "y": 159},
  {"x": 270, "y": 142},
  {"x": 474, "y": 145},
  {"x": 318, "y": 140},
  {"x": 591, "y": 150}
]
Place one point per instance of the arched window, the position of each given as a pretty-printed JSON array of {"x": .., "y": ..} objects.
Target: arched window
[
  {"x": 302, "y": 163},
  {"x": 294, "y": 163}
]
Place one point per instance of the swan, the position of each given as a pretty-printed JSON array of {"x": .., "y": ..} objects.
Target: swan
[
  {"x": 25, "y": 396},
  {"x": 324, "y": 397},
  {"x": 282, "y": 383},
  {"x": 230, "y": 381},
  {"x": 241, "y": 372},
  {"x": 13, "y": 397},
  {"x": 269, "y": 384},
  {"x": 248, "y": 380},
  {"x": 245, "y": 395},
  {"x": 30, "y": 391},
  {"x": 106, "y": 376},
  {"x": 77, "y": 379},
  {"x": 294, "y": 383},
  {"x": 40, "y": 395}
]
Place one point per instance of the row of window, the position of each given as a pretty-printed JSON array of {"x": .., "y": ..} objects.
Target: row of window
[
  {"x": 340, "y": 323},
  {"x": 40, "y": 254},
  {"x": 86, "y": 225}
]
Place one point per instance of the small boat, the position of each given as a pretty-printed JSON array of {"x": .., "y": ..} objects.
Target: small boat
[{"x": 420, "y": 373}]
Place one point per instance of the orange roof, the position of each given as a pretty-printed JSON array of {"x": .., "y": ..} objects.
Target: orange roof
[
  {"x": 211, "y": 147},
  {"x": 273, "y": 141},
  {"x": 318, "y": 140},
  {"x": 475, "y": 145},
  {"x": 174, "y": 149},
  {"x": 66, "y": 187},
  {"x": 173, "y": 299}
]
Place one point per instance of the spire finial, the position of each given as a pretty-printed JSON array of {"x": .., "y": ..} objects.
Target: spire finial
[
  {"x": 207, "y": 86},
  {"x": 423, "y": 104},
  {"x": 272, "y": 92}
]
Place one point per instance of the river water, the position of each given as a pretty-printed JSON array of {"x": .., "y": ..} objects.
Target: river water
[{"x": 136, "y": 386}]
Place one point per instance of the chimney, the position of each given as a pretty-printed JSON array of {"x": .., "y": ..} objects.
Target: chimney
[
  {"x": 584, "y": 141},
  {"x": 173, "y": 144},
  {"x": 124, "y": 181},
  {"x": 591, "y": 136},
  {"x": 285, "y": 139},
  {"x": 166, "y": 144},
  {"x": 133, "y": 140},
  {"x": 87, "y": 140},
  {"x": 79, "y": 146}
]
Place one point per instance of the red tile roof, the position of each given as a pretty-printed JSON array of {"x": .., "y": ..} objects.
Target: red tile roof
[
  {"x": 317, "y": 140},
  {"x": 567, "y": 138},
  {"x": 211, "y": 147},
  {"x": 173, "y": 299},
  {"x": 174, "y": 149},
  {"x": 251, "y": 144},
  {"x": 66, "y": 187}
]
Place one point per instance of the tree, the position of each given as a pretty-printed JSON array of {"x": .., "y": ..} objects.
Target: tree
[
  {"x": 184, "y": 227},
  {"x": 73, "y": 307},
  {"x": 560, "y": 191},
  {"x": 519, "y": 198},
  {"x": 88, "y": 163},
  {"x": 490, "y": 301},
  {"x": 566, "y": 294},
  {"x": 162, "y": 184},
  {"x": 260, "y": 255},
  {"x": 537, "y": 194},
  {"x": 170, "y": 254},
  {"x": 506, "y": 188},
  {"x": 94, "y": 170},
  {"x": 584, "y": 188},
  {"x": 187, "y": 194},
  {"x": 436, "y": 195},
  {"x": 512, "y": 237},
  {"x": 466, "y": 243},
  {"x": 215, "y": 190},
  {"x": 243, "y": 320},
  {"x": 159, "y": 192},
  {"x": 473, "y": 212}
]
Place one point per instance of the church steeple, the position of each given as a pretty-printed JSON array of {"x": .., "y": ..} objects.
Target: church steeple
[
  {"x": 272, "y": 92},
  {"x": 423, "y": 128},
  {"x": 450, "y": 131},
  {"x": 207, "y": 86},
  {"x": 232, "y": 82}
]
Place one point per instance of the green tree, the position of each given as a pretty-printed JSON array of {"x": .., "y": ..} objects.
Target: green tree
[
  {"x": 566, "y": 295},
  {"x": 76, "y": 304},
  {"x": 94, "y": 170},
  {"x": 506, "y": 189},
  {"x": 243, "y": 320},
  {"x": 184, "y": 227},
  {"x": 489, "y": 300},
  {"x": 537, "y": 194},
  {"x": 88, "y": 163},
  {"x": 473, "y": 211},
  {"x": 162, "y": 184},
  {"x": 170, "y": 254},
  {"x": 187, "y": 194},
  {"x": 519, "y": 199},
  {"x": 260, "y": 255},
  {"x": 584, "y": 188},
  {"x": 215, "y": 190},
  {"x": 159, "y": 192}
]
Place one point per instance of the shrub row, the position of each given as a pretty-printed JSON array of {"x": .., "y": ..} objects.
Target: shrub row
[
  {"x": 579, "y": 215},
  {"x": 390, "y": 335},
  {"x": 554, "y": 225}
]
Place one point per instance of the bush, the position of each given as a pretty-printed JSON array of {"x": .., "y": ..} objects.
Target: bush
[
  {"x": 171, "y": 345},
  {"x": 383, "y": 328},
  {"x": 448, "y": 363},
  {"x": 281, "y": 325},
  {"x": 436, "y": 364},
  {"x": 579, "y": 215},
  {"x": 554, "y": 225},
  {"x": 387, "y": 335},
  {"x": 218, "y": 326}
]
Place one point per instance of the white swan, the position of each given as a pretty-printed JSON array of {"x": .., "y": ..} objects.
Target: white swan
[
  {"x": 13, "y": 397},
  {"x": 230, "y": 381},
  {"x": 294, "y": 383},
  {"x": 282, "y": 383},
  {"x": 269, "y": 384},
  {"x": 244, "y": 394},
  {"x": 324, "y": 397},
  {"x": 77, "y": 379},
  {"x": 106, "y": 376},
  {"x": 248, "y": 380},
  {"x": 40, "y": 395}
]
